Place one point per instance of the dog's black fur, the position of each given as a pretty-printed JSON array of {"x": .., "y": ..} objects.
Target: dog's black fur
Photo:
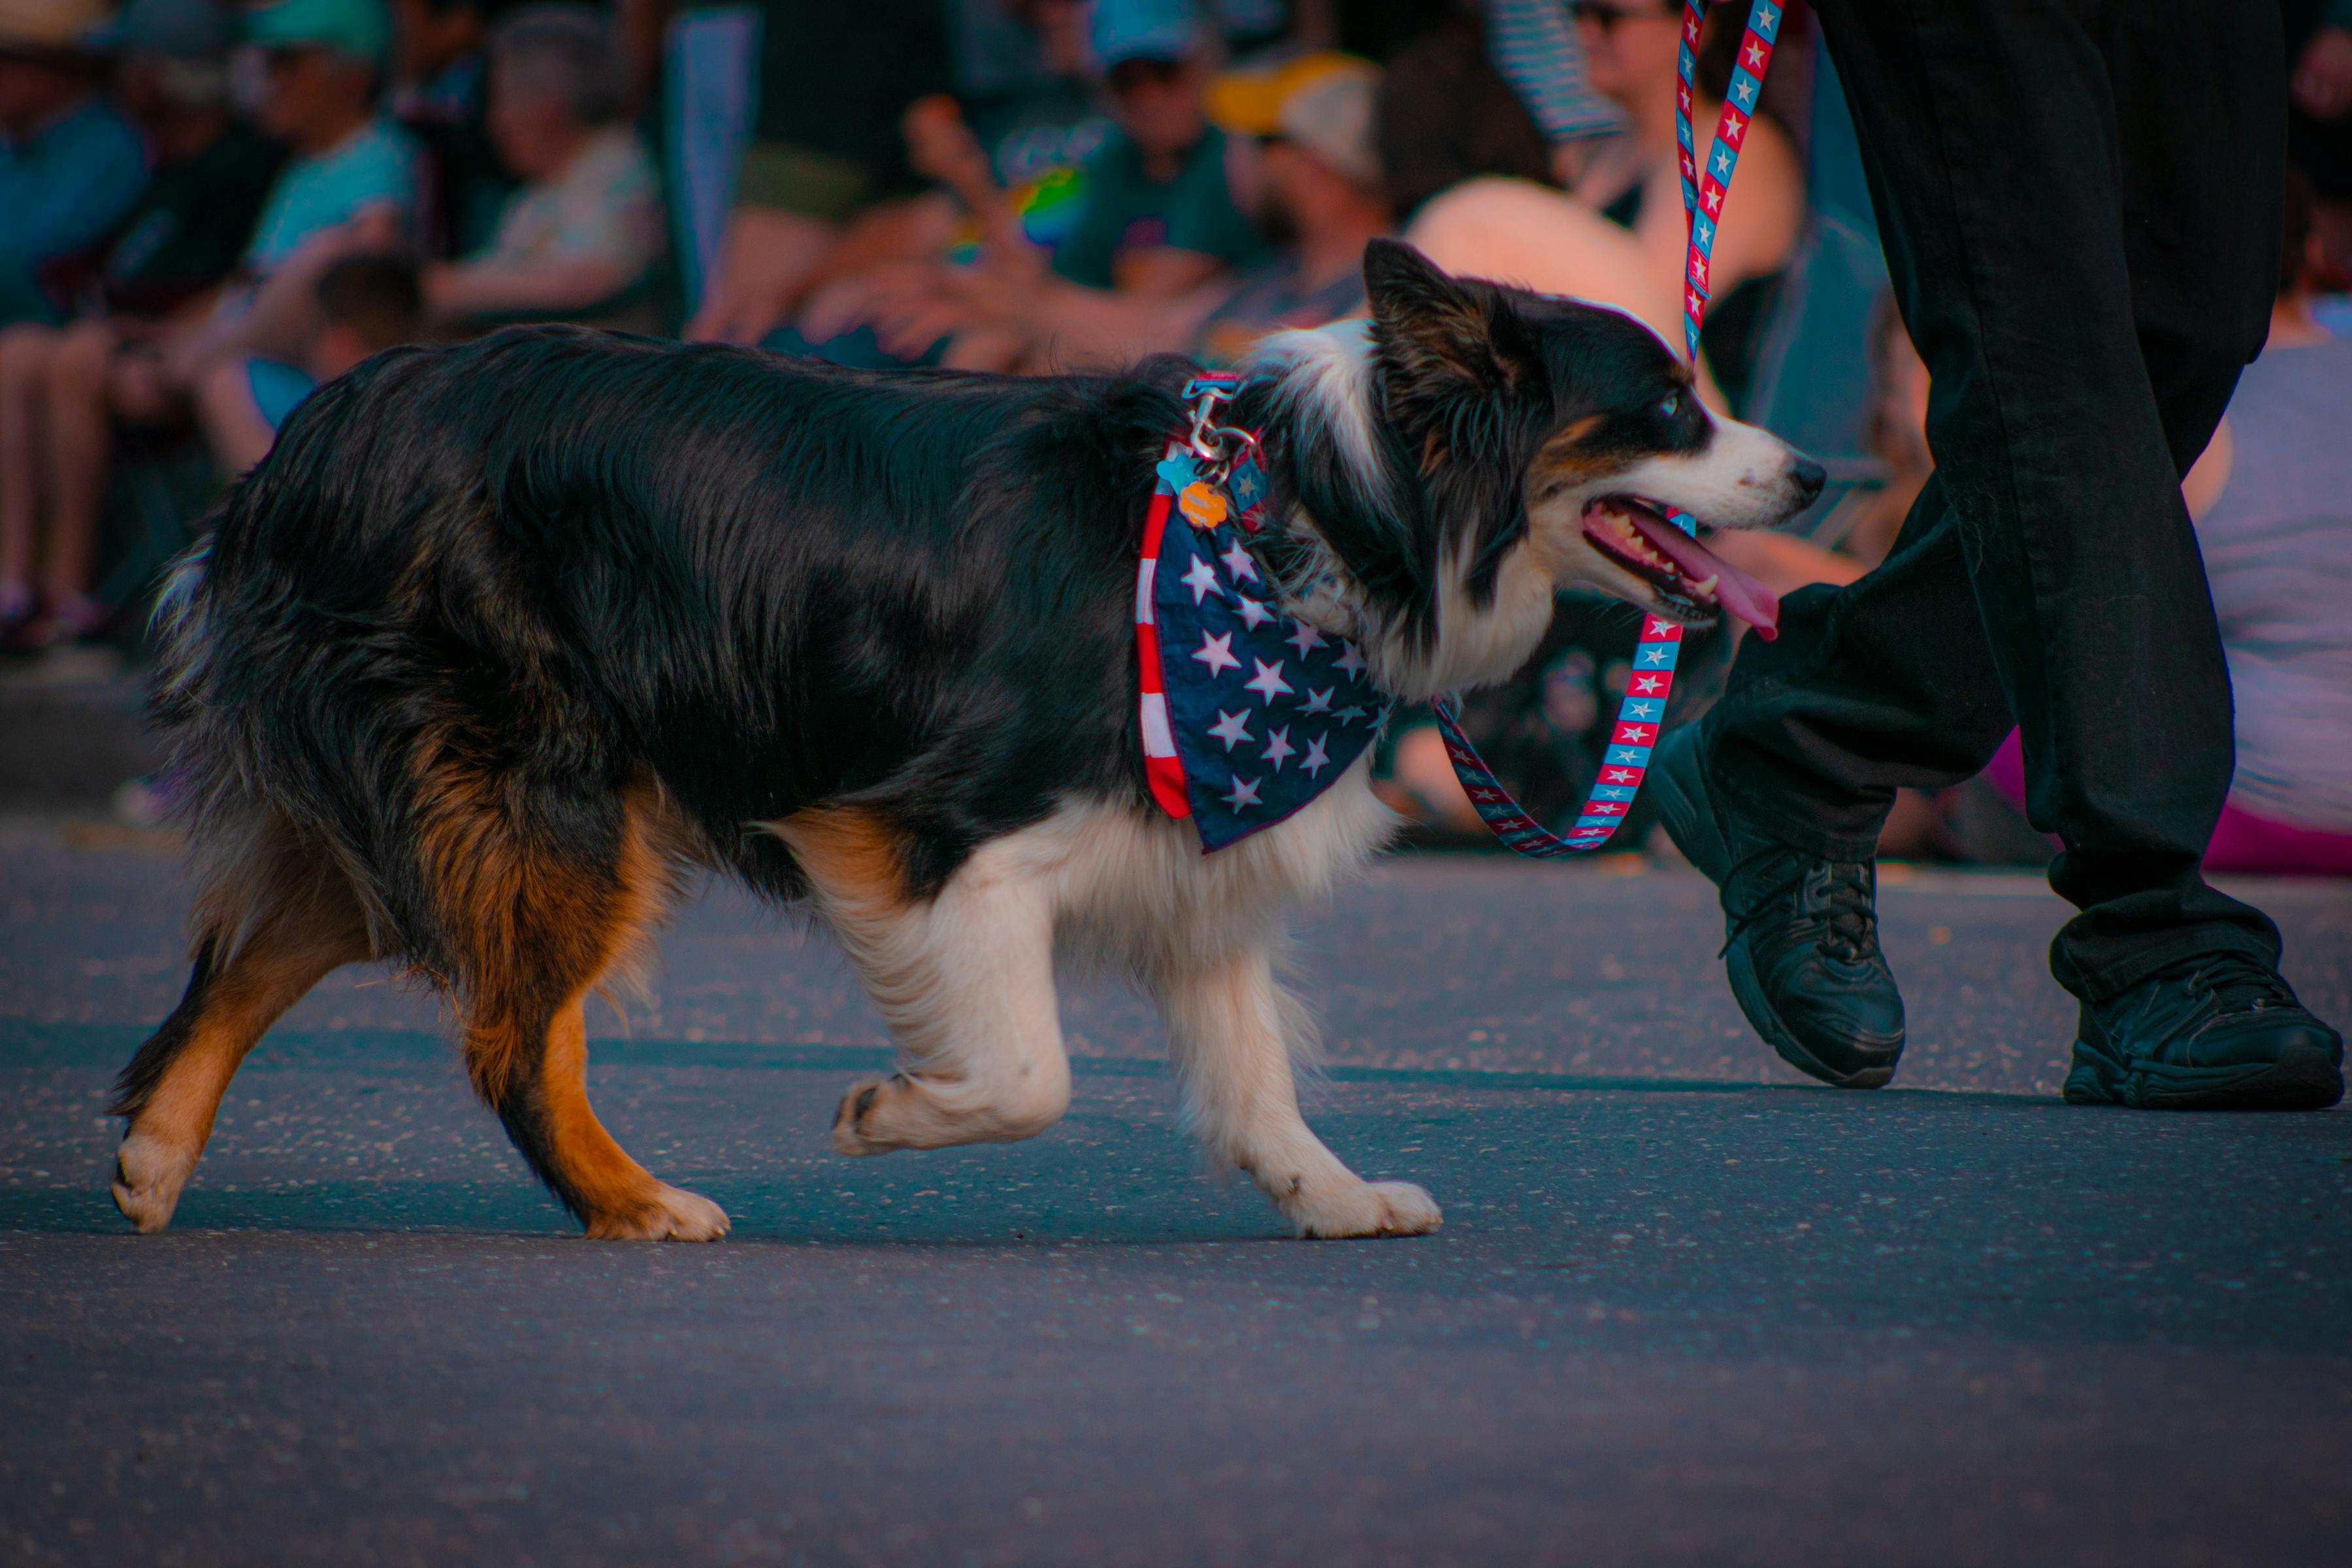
[{"x": 555, "y": 572}]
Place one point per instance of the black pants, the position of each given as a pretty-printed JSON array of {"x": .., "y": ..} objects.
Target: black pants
[{"x": 2080, "y": 204}]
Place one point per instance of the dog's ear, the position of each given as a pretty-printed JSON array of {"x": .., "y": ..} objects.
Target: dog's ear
[{"x": 1439, "y": 336}]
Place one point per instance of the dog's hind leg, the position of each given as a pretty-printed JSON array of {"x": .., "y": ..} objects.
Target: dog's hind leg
[
  {"x": 269, "y": 928},
  {"x": 1230, "y": 1024},
  {"x": 964, "y": 979},
  {"x": 533, "y": 927}
]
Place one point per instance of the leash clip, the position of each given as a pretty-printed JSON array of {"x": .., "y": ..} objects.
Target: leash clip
[{"x": 1217, "y": 448}]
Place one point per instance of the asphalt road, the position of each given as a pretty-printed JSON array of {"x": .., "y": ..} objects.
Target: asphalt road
[{"x": 1687, "y": 1307}]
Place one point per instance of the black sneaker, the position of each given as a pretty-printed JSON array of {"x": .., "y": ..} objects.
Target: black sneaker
[
  {"x": 1800, "y": 945},
  {"x": 2218, "y": 1032}
]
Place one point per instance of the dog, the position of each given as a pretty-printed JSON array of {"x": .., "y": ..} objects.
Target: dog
[{"x": 505, "y": 643}]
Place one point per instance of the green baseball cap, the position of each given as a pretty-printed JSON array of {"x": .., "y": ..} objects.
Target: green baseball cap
[{"x": 360, "y": 28}]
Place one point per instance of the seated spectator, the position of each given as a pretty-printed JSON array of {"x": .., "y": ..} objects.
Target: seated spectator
[
  {"x": 1007, "y": 155},
  {"x": 350, "y": 185},
  {"x": 1158, "y": 217},
  {"x": 440, "y": 93},
  {"x": 826, "y": 164},
  {"x": 70, "y": 165},
  {"x": 1161, "y": 215},
  {"x": 2275, "y": 526},
  {"x": 1630, "y": 49},
  {"x": 1322, "y": 198},
  {"x": 182, "y": 236},
  {"x": 1509, "y": 222},
  {"x": 366, "y": 304},
  {"x": 586, "y": 227}
]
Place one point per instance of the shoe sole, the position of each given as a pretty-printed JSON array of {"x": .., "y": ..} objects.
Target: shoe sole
[
  {"x": 1763, "y": 1018},
  {"x": 2298, "y": 1080}
]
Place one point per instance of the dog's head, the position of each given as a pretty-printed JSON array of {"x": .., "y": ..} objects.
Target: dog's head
[{"x": 1485, "y": 447}]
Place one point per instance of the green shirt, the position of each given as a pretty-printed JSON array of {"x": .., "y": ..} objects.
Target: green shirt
[{"x": 1126, "y": 211}]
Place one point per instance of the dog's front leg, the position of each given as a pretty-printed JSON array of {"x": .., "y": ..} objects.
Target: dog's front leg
[
  {"x": 965, "y": 981},
  {"x": 1230, "y": 1024}
]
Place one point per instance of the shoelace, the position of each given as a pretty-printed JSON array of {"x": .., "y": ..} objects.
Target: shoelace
[
  {"x": 2233, "y": 984},
  {"x": 1838, "y": 893}
]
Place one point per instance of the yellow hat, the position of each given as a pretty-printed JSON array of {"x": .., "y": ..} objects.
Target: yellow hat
[{"x": 1248, "y": 103}]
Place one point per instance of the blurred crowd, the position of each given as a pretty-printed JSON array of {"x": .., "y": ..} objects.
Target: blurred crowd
[{"x": 208, "y": 209}]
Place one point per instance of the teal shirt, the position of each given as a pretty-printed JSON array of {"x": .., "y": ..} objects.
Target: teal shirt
[
  {"x": 64, "y": 186},
  {"x": 376, "y": 165},
  {"x": 1126, "y": 211}
]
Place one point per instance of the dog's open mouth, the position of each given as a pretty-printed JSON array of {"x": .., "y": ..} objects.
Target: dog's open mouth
[{"x": 1693, "y": 581}]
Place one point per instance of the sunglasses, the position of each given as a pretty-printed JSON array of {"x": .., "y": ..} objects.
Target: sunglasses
[
  {"x": 1605, "y": 18},
  {"x": 1129, "y": 75}
]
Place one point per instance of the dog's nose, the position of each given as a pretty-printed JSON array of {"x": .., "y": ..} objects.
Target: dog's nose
[{"x": 1809, "y": 477}]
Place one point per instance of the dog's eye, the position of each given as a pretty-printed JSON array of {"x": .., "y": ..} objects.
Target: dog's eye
[{"x": 1670, "y": 406}]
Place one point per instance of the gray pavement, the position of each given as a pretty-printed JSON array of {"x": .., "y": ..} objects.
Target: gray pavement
[{"x": 1687, "y": 1307}]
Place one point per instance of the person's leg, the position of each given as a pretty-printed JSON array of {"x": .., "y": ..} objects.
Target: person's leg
[
  {"x": 240, "y": 403},
  {"x": 2050, "y": 571},
  {"x": 26, "y": 354},
  {"x": 81, "y": 452}
]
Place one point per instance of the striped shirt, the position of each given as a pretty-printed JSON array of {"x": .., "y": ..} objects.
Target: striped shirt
[{"x": 1534, "y": 49}]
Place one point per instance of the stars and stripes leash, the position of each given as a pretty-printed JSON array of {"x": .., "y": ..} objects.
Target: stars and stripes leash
[{"x": 1651, "y": 680}]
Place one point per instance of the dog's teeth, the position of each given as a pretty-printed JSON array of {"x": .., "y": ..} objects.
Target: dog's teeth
[{"x": 1705, "y": 590}]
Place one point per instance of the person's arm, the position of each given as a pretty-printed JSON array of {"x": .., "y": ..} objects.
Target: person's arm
[
  {"x": 1071, "y": 326},
  {"x": 2323, "y": 72},
  {"x": 283, "y": 308},
  {"x": 942, "y": 146},
  {"x": 492, "y": 288},
  {"x": 1166, "y": 271}
]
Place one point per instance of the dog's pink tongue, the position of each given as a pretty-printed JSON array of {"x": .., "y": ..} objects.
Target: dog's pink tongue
[{"x": 1734, "y": 590}]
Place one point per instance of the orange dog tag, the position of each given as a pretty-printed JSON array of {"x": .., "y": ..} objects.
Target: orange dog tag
[{"x": 1202, "y": 504}]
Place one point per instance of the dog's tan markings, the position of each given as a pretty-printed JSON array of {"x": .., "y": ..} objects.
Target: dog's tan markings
[
  {"x": 1563, "y": 461},
  {"x": 530, "y": 931},
  {"x": 964, "y": 978},
  {"x": 269, "y": 928},
  {"x": 855, "y": 859}
]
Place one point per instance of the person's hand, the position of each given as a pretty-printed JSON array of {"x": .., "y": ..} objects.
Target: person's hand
[
  {"x": 769, "y": 258},
  {"x": 942, "y": 147},
  {"x": 847, "y": 302},
  {"x": 2321, "y": 86},
  {"x": 908, "y": 320}
]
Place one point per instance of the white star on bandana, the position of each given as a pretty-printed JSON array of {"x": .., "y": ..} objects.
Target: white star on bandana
[
  {"x": 1202, "y": 578},
  {"x": 1267, "y": 682}
]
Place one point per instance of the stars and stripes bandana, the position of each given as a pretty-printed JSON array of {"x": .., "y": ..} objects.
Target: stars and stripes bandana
[{"x": 1248, "y": 714}]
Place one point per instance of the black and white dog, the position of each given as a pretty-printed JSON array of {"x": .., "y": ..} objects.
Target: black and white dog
[{"x": 504, "y": 641}]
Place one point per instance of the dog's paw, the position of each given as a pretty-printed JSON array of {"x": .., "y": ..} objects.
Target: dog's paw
[
  {"x": 147, "y": 1176},
  {"x": 1371, "y": 1208},
  {"x": 673, "y": 1215},
  {"x": 856, "y": 1126}
]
